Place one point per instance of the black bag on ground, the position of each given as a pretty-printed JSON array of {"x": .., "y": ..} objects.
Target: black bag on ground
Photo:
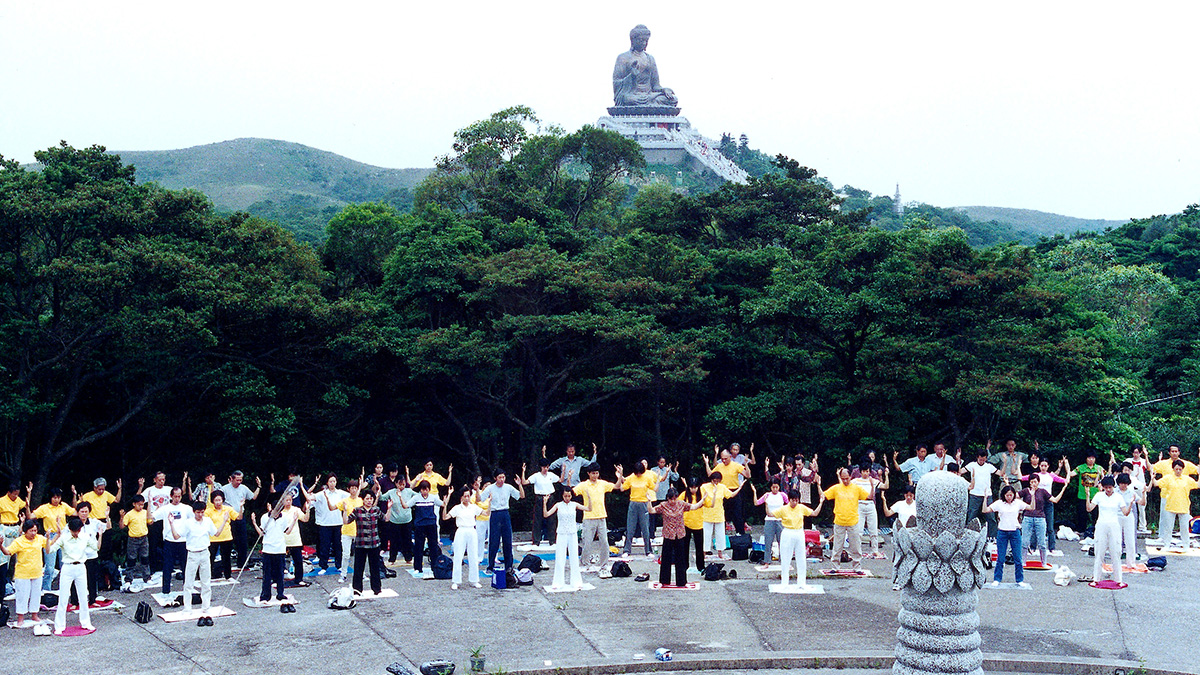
[
  {"x": 389, "y": 573},
  {"x": 712, "y": 571},
  {"x": 510, "y": 579},
  {"x": 621, "y": 569},
  {"x": 531, "y": 562},
  {"x": 4, "y": 615},
  {"x": 615, "y": 535},
  {"x": 443, "y": 567},
  {"x": 740, "y": 543},
  {"x": 757, "y": 556},
  {"x": 1158, "y": 562},
  {"x": 143, "y": 613}
]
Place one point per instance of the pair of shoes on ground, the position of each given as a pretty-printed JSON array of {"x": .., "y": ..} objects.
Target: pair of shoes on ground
[
  {"x": 454, "y": 587},
  {"x": 287, "y": 608},
  {"x": 204, "y": 621}
]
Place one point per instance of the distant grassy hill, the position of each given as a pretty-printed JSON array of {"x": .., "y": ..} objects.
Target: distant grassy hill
[
  {"x": 295, "y": 185},
  {"x": 1039, "y": 223}
]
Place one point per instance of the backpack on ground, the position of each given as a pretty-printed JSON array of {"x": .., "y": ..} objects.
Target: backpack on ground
[
  {"x": 621, "y": 569},
  {"x": 712, "y": 571},
  {"x": 342, "y": 598},
  {"x": 443, "y": 567},
  {"x": 740, "y": 543},
  {"x": 510, "y": 579},
  {"x": 1158, "y": 562},
  {"x": 615, "y": 536},
  {"x": 143, "y": 613},
  {"x": 4, "y": 615},
  {"x": 531, "y": 562},
  {"x": 757, "y": 556}
]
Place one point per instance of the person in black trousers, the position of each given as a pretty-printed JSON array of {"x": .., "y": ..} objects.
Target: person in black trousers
[{"x": 674, "y": 546}]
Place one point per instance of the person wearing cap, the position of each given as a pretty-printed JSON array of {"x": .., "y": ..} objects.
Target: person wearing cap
[
  {"x": 101, "y": 501},
  {"x": 595, "y": 519},
  {"x": 197, "y": 533},
  {"x": 572, "y": 466}
]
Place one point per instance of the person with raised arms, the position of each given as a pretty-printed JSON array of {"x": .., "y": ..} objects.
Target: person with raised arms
[
  {"x": 399, "y": 519},
  {"x": 221, "y": 543},
  {"x": 979, "y": 489},
  {"x": 101, "y": 501},
  {"x": 914, "y": 467},
  {"x": 137, "y": 544},
  {"x": 1108, "y": 527},
  {"x": 715, "y": 493},
  {"x": 466, "y": 542},
  {"x": 738, "y": 509},
  {"x": 236, "y": 494},
  {"x": 640, "y": 484},
  {"x": 772, "y": 527},
  {"x": 1175, "y": 490},
  {"x": 1009, "y": 461},
  {"x": 566, "y": 545},
  {"x": 174, "y": 547},
  {"x": 1033, "y": 525},
  {"x": 1135, "y": 499},
  {"x": 29, "y": 549},
  {"x": 74, "y": 549},
  {"x": 665, "y": 474},
  {"x": 197, "y": 533},
  {"x": 1047, "y": 480},
  {"x": 348, "y": 505},
  {"x": 595, "y": 519},
  {"x": 543, "y": 486},
  {"x": 498, "y": 496},
  {"x": 424, "y": 505},
  {"x": 435, "y": 479},
  {"x": 53, "y": 513},
  {"x": 274, "y": 527},
  {"x": 1008, "y": 534},
  {"x": 329, "y": 523},
  {"x": 95, "y": 529},
  {"x": 733, "y": 475},
  {"x": 674, "y": 546},
  {"x": 365, "y": 542},
  {"x": 572, "y": 465},
  {"x": 792, "y": 541},
  {"x": 1089, "y": 474},
  {"x": 868, "y": 514},
  {"x": 157, "y": 496},
  {"x": 847, "y": 526}
]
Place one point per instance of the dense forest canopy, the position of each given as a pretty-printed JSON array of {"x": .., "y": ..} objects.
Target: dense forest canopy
[{"x": 532, "y": 295}]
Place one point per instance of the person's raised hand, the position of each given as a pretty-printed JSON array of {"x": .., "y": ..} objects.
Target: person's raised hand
[
  {"x": 141, "y": 483},
  {"x": 258, "y": 481},
  {"x": 118, "y": 484}
]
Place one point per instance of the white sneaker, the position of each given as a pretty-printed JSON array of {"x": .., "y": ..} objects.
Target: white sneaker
[
  {"x": 477, "y": 585},
  {"x": 454, "y": 587},
  {"x": 1024, "y": 584},
  {"x": 1055, "y": 553},
  {"x": 341, "y": 578},
  {"x": 651, "y": 556},
  {"x": 427, "y": 575},
  {"x": 605, "y": 574},
  {"x": 994, "y": 584}
]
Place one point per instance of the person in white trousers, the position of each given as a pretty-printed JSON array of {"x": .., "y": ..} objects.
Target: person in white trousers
[
  {"x": 1108, "y": 527},
  {"x": 196, "y": 533},
  {"x": 566, "y": 543},
  {"x": 1137, "y": 501},
  {"x": 791, "y": 541},
  {"x": 75, "y": 548},
  {"x": 465, "y": 539}
]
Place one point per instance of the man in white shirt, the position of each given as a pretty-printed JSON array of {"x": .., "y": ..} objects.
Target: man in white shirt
[
  {"x": 543, "y": 485},
  {"x": 174, "y": 549},
  {"x": 76, "y": 548},
  {"x": 157, "y": 496},
  {"x": 980, "y": 490},
  {"x": 329, "y": 524},
  {"x": 196, "y": 533}
]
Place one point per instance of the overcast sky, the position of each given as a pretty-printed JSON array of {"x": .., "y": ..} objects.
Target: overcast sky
[{"x": 1083, "y": 109}]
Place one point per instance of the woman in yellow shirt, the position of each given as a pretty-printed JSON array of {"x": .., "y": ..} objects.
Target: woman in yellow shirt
[
  {"x": 221, "y": 542},
  {"x": 27, "y": 573},
  {"x": 791, "y": 541},
  {"x": 716, "y": 494},
  {"x": 693, "y": 520}
]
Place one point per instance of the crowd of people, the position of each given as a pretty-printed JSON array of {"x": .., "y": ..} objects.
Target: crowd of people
[{"x": 205, "y": 529}]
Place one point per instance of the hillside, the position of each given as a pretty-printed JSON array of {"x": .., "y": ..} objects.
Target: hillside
[
  {"x": 1039, "y": 223},
  {"x": 295, "y": 185}
]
